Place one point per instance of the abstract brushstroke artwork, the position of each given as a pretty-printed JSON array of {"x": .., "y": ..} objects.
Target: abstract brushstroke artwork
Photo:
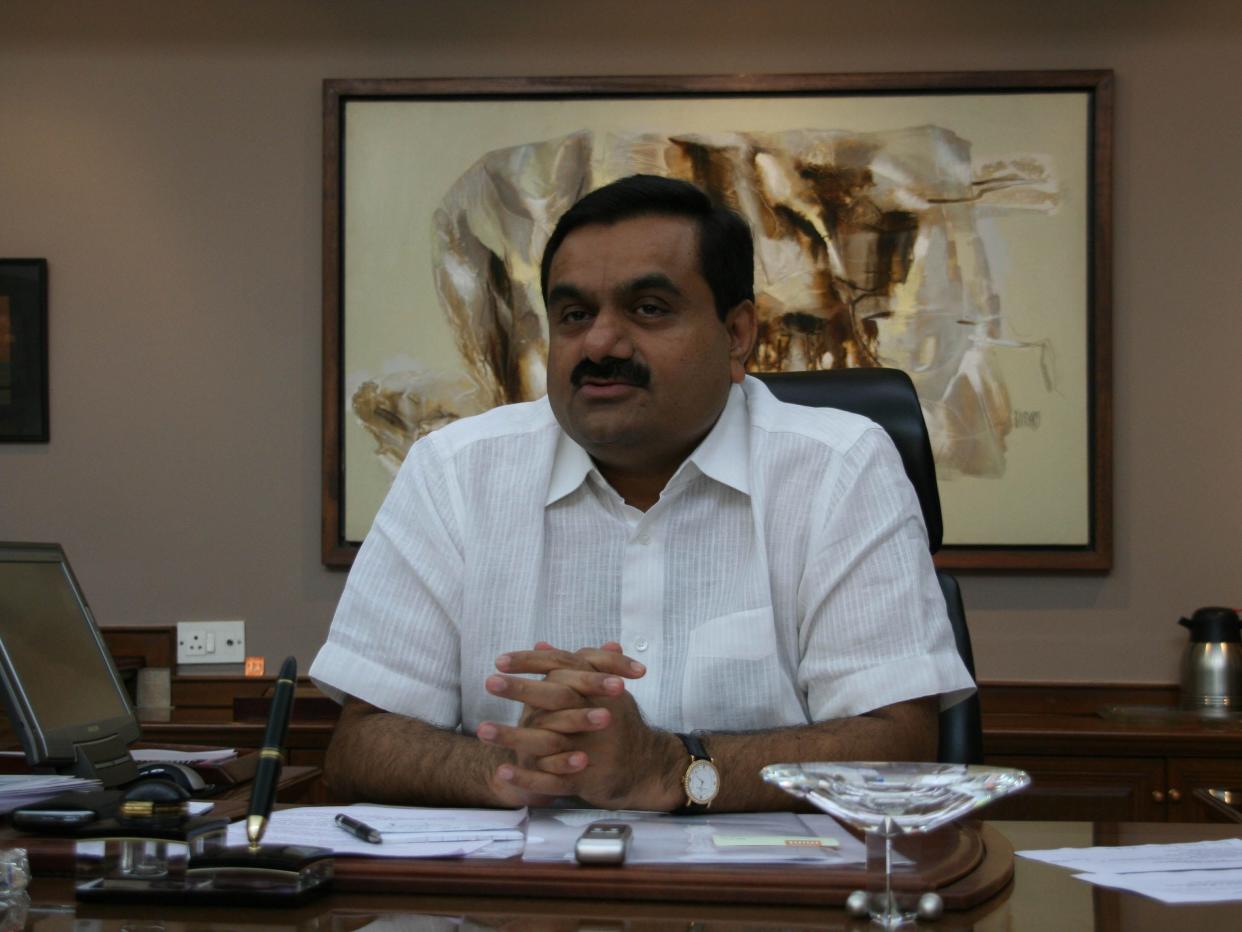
[
  {"x": 6, "y": 352},
  {"x": 948, "y": 236},
  {"x": 24, "y": 414}
]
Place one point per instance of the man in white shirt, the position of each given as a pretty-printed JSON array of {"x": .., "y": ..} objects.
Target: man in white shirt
[{"x": 644, "y": 587}]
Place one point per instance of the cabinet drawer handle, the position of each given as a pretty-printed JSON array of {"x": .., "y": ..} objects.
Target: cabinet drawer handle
[
  {"x": 1157, "y": 796},
  {"x": 1175, "y": 795}
]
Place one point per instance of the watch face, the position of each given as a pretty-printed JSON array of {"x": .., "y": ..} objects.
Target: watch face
[{"x": 702, "y": 782}]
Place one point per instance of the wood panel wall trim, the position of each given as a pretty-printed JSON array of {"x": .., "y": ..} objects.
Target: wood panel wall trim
[
  {"x": 217, "y": 691},
  {"x": 156, "y": 645}
]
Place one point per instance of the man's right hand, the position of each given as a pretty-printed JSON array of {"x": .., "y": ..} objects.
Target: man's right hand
[
  {"x": 580, "y": 733},
  {"x": 566, "y": 702}
]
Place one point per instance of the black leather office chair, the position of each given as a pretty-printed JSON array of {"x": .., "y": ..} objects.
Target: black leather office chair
[{"x": 887, "y": 396}]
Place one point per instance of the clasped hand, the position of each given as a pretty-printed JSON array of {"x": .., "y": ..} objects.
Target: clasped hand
[{"x": 580, "y": 732}]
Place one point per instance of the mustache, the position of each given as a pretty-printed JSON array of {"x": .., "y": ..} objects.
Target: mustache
[{"x": 613, "y": 370}]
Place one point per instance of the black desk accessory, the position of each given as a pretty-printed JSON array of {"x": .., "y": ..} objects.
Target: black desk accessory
[
  {"x": 261, "y": 874},
  {"x": 67, "y": 813},
  {"x": 80, "y": 812},
  {"x": 144, "y": 845},
  {"x": 251, "y": 874}
]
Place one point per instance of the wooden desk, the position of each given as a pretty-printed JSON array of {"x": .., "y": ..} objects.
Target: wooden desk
[{"x": 1041, "y": 899}]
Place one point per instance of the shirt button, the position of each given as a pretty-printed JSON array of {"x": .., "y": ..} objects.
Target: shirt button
[
  {"x": 643, "y": 539},
  {"x": 640, "y": 644}
]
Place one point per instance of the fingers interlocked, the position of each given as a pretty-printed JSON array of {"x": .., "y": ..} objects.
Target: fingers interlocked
[{"x": 570, "y": 700}]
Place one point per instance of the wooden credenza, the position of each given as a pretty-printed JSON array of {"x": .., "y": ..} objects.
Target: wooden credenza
[{"x": 1085, "y": 766}]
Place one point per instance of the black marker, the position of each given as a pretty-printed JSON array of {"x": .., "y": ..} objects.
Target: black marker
[{"x": 359, "y": 829}]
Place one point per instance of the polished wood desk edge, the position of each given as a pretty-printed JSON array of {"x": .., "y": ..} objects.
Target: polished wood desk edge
[
  {"x": 1100, "y": 909},
  {"x": 968, "y": 866}
]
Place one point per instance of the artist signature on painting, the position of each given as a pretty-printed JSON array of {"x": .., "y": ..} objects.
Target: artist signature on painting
[{"x": 1028, "y": 419}]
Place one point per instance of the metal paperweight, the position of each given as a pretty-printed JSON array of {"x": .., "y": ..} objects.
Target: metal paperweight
[{"x": 14, "y": 872}]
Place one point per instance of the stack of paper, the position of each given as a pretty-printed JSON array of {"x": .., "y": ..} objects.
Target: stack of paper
[
  {"x": 1193, "y": 872},
  {"x": 17, "y": 790},
  {"x": 725, "y": 838},
  {"x": 405, "y": 831},
  {"x": 183, "y": 755}
]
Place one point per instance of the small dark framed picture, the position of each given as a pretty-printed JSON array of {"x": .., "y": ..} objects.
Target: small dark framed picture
[{"x": 23, "y": 351}]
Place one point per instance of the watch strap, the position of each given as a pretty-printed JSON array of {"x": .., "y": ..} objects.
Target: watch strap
[
  {"x": 694, "y": 745},
  {"x": 697, "y": 751}
]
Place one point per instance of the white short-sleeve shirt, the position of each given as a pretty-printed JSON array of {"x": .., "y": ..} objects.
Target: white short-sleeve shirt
[{"x": 782, "y": 578}]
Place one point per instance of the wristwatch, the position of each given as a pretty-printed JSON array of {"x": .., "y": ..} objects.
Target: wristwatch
[{"x": 701, "y": 780}]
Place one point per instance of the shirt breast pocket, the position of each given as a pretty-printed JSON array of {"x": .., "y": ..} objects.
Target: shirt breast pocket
[{"x": 735, "y": 680}]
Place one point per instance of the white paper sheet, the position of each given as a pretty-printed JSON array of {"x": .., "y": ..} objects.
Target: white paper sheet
[
  {"x": 1129, "y": 859},
  {"x": 182, "y": 756},
  {"x": 409, "y": 823},
  {"x": 316, "y": 825},
  {"x": 1203, "y": 886},
  {"x": 18, "y": 790},
  {"x": 660, "y": 838}
]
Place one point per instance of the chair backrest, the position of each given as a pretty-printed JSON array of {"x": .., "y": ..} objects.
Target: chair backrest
[{"x": 888, "y": 397}]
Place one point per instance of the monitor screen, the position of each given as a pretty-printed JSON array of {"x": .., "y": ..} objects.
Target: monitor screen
[{"x": 64, "y": 697}]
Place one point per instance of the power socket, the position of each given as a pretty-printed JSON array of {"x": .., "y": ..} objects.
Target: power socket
[{"x": 211, "y": 642}]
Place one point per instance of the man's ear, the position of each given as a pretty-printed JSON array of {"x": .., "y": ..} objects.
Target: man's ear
[{"x": 742, "y": 324}]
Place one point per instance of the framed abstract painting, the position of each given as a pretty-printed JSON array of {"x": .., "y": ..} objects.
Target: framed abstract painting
[
  {"x": 24, "y": 413},
  {"x": 953, "y": 225}
]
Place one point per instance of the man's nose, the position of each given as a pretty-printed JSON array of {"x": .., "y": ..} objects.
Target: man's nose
[{"x": 608, "y": 336}]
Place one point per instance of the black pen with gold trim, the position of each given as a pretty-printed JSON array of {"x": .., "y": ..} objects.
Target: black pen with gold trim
[{"x": 267, "y": 774}]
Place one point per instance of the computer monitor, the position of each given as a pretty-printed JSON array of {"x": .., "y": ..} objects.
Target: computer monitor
[{"x": 64, "y": 697}]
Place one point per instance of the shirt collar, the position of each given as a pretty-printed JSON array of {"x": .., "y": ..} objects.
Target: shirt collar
[
  {"x": 570, "y": 466},
  {"x": 724, "y": 454}
]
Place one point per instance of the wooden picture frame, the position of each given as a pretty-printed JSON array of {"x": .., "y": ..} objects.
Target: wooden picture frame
[
  {"x": 1026, "y": 157},
  {"x": 24, "y": 409}
]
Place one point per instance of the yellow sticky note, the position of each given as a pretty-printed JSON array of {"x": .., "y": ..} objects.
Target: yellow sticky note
[{"x": 739, "y": 841}]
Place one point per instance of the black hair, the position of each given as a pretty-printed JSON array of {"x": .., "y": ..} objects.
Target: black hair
[{"x": 726, "y": 250}]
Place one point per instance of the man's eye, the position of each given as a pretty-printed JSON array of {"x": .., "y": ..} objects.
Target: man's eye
[
  {"x": 648, "y": 309},
  {"x": 574, "y": 315}
]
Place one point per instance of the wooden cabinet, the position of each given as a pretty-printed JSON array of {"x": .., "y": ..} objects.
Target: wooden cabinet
[
  {"x": 1087, "y": 767},
  {"x": 1185, "y": 775},
  {"x": 1084, "y": 789}
]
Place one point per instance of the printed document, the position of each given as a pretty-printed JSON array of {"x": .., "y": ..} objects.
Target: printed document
[
  {"x": 727, "y": 838},
  {"x": 18, "y": 790},
  {"x": 1192, "y": 872},
  {"x": 1130, "y": 859},
  {"x": 439, "y": 832},
  {"x": 1214, "y": 886},
  {"x": 182, "y": 756}
]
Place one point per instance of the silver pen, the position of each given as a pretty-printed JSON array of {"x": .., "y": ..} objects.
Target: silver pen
[{"x": 359, "y": 829}]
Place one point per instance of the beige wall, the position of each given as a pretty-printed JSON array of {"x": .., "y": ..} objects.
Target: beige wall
[{"x": 167, "y": 165}]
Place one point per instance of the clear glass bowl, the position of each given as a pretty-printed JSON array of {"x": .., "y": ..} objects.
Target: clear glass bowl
[{"x": 890, "y": 799}]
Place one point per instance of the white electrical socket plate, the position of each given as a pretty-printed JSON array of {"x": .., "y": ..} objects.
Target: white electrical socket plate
[{"x": 211, "y": 642}]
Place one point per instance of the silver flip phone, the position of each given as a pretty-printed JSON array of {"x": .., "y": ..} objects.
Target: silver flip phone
[{"x": 603, "y": 843}]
